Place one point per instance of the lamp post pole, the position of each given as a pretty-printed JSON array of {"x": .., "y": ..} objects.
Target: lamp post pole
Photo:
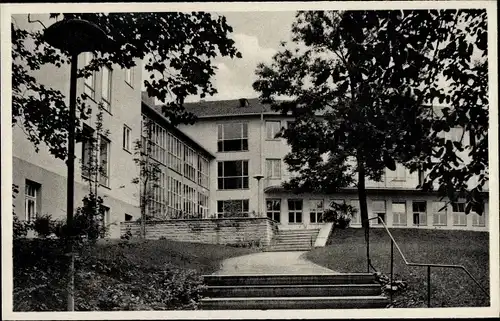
[
  {"x": 71, "y": 180},
  {"x": 74, "y": 36}
]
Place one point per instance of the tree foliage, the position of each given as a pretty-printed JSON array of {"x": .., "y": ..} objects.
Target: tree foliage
[
  {"x": 177, "y": 49},
  {"x": 363, "y": 87}
]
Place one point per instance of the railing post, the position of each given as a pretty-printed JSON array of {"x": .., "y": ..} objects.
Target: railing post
[
  {"x": 428, "y": 286},
  {"x": 392, "y": 266},
  {"x": 367, "y": 236}
]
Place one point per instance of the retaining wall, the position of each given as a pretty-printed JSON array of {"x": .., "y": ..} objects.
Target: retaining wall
[{"x": 214, "y": 231}]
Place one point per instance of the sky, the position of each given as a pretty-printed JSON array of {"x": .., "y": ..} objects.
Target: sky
[{"x": 257, "y": 36}]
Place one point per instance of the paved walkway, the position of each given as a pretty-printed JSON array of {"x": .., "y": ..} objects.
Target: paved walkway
[{"x": 271, "y": 263}]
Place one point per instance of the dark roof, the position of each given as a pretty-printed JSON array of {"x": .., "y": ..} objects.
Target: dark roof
[
  {"x": 228, "y": 108},
  {"x": 156, "y": 112}
]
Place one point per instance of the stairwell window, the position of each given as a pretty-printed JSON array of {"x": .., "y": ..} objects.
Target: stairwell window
[
  {"x": 203, "y": 171},
  {"x": 273, "y": 209},
  {"x": 272, "y": 129},
  {"x": 129, "y": 77},
  {"x": 419, "y": 213},
  {"x": 459, "y": 217},
  {"x": 273, "y": 168},
  {"x": 126, "y": 138},
  {"x": 232, "y": 137},
  {"x": 31, "y": 200},
  {"x": 232, "y": 175},
  {"x": 399, "y": 213},
  {"x": 294, "y": 211},
  {"x": 106, "y": 88},
  {"x": 316, "y": 211},
  {"x": 89, "y": 83},
  {"x": 439, "y": 213},
  {"x": 379, "y": 211}
]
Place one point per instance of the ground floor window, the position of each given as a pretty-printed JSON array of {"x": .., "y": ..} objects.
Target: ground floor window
[
  {"x": 294, "y": 211},
  {"x": 232, "y": 208},
  {"x": 378, "y": 208},
  {"x": 439, "y": 213},
  {"x": 316, "y": 211},
  {"x": 479, "y": 220},
  {"x": 459, "y": 217},
  {"x": 202, "y": 205},
  {"x": 31, "y": 200},
  {"x": 273, "y": 209},
  {"x": 419, "y": 213},
  {"x": 104, "y": 221},
  {"x": 399, "y": 213},
  {"x": 356, "y": 217}
]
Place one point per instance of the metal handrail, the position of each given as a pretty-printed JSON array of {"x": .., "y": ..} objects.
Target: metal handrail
[{"x": 428, "y": 265}]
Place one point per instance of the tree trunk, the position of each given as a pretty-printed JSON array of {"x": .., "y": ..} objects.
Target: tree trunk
[{"x": 363, "y": 207}]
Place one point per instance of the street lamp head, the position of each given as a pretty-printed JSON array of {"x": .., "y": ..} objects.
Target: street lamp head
[{"x": 77, "y": 36}]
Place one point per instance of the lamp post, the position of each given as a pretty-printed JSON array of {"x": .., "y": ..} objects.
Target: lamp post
[{"x": 74, "y": 36}]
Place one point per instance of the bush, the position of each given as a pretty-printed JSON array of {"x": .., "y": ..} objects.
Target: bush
[
  {"x": 339, "y": 214},
  {"x": 20, "y": 228},
  {"x": 44, "y": 226}
]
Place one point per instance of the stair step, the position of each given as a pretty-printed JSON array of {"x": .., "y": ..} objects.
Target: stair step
[
  {"x": 289, "y": 279},
  {"x": 298, "y": 290},
  {"x": 263, "y": 303},
  {"x": 288, "y": 249}
]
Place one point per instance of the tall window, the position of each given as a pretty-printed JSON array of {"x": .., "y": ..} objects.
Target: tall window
[
  {"x": 157, "y": 203},
  {"x": 232, "y": 137},
  {"x": 126, "y": 138},
  {"x": 202, "y": 205},
  {"x": 399, "y": 213},
  {"x": 379, "y": 211},
  {"x": 174, "y": 207},
  {"x": 189, "y": 163},
  {"x": 420, "y": 213},
  {"x": 104, "y": 221},
  {"x": 272, "y": 129},
  {"x": 232, "y": 175},
  {"x": 459, "y": 217},
  {"x": 439, "y": 213},
  {"x": 190, "y": 203},
  {"x": 273, "y": 209},
  {"x": 104, "y": 155},
  {"x": 87, "y": 136},
  {"x": 175, "y": 153},
  {"x": 31, "y": 200},
  {"x": 316, "y": 211},
  {"x": 273, "y": 167},
  {"x": 203, "y": 170},
  {"x": 356, "y": 218},
  {"x": 129, "y": 76},
  {"x": 106, "y": 88},
  {"x": 294, "y": 211},
  {"x": 232, "y": 208},
  {"x": 89, "y": 82}
]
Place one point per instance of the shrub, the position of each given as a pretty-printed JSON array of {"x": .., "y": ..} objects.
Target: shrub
[
  {"x": 20, "y": 228},
  {"x": 44, "y": 225},
  {"x": 339, "y": 214}
]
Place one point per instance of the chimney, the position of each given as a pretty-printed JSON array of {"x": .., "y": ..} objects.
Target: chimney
[
  {"x": 147, "y": 99},
  {"x": 243, "y": 102}
]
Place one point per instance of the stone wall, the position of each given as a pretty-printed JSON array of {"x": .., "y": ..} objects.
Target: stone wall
[{"x": 214, "y": 231}]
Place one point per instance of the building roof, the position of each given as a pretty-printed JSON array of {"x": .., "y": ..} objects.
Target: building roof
[
  {"x": 155, "y": 111},
  {"x": 220, "y": 108}
]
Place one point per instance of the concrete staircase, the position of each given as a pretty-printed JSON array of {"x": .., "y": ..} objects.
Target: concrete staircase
[
  {"x": 284, "y": 291},
  {"x": 293, "y": 240}
]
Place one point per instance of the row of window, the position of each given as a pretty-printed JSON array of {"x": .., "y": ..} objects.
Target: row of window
[
  {"x": 233, "y": 137},
  {"x": 183, "y": 201},
  {"x": 106, "y": 83},
  {"x": 170, "y": 151},
  {"x": 399, "y": 216},
  {"x": 234, "y": 174}
]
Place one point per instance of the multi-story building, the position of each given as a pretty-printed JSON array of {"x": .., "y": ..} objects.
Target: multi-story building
[{"x": 250, "y": 172}]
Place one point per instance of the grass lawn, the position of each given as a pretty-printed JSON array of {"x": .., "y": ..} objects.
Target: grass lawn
[
  {"x": 204, "y": 258},
  {"x": 449, "y": 287}
]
